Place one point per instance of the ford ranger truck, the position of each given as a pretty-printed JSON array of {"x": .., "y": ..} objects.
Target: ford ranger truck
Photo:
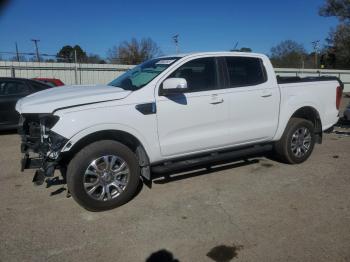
[{"x": 169, "y": 113}]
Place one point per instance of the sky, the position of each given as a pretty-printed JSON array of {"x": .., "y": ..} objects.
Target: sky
[{"x": 202, "y": 25}]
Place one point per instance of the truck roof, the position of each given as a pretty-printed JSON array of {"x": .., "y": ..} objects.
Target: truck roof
[{"x": 218, "y": 53}]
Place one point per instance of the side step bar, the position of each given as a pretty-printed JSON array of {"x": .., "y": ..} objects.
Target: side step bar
[{"x": 211, "y": 158}]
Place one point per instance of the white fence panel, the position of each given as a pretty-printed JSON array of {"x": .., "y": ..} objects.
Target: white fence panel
[
  {"x": 71, "y": 73},
  {"x": 344, "y": 75}
]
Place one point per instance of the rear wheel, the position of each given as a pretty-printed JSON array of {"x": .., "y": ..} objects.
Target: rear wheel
[
  {"x": 103, "y": 175},
  {"x": 297, "y": 141}
]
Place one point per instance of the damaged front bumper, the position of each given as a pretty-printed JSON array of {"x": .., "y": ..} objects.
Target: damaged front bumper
[{"x": 41, "y": 147}]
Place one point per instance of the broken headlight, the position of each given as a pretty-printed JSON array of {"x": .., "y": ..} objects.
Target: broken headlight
[{"x": 47, "y": 121}]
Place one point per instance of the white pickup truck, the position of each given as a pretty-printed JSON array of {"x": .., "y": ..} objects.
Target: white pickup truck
[{"x": 169, "y": 113}]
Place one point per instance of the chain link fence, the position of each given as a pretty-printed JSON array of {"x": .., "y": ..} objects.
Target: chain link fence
[{"x": 69, "y": 73}]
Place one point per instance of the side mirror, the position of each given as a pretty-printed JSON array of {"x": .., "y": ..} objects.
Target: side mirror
[{"x": 174, "y": 86}]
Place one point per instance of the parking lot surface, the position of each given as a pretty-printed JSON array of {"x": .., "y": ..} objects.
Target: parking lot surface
[{"x": 258, "y": 210}]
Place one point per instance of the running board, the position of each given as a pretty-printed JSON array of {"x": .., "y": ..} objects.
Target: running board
[{"x": 211, "y": 158}]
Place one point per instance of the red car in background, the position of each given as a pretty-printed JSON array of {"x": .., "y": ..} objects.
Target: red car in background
[{"x": 50, "y": 81}]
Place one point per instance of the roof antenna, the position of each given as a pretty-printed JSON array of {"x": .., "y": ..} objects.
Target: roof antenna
[{"x": 235, "y": 47}]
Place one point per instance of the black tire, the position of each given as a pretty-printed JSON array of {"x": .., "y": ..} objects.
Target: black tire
[
  {"x": 81, "y": 161},
  {"x": 283, "y": 147}
]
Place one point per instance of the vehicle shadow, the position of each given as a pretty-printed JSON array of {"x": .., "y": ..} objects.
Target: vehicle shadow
[
  {"x": 343, "y": 123},
  {"x": 8, "y": 132},
  {"x": 342, "y": 128},
  {"x": 342, "y": 133},
  {"x": 59, "y": 180},
  {"x": 162, "y": 256},
  {"x": 160, "y": 178}
]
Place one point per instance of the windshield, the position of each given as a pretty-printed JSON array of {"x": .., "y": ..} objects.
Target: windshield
[{"x": 142, "y": 74}]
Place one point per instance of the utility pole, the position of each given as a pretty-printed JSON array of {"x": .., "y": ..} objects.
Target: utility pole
[
  {"x": 316, "y": 46},
  {"x": 76, "y": 66},
  {"x": 176, "y": 41},
  {"x": 17, "y": 54},
  {"x": 36, "y": 48}
]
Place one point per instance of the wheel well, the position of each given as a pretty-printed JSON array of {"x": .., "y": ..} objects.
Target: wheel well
[
  {"x": 311, "y": 114},
  {"x": 123, "y": 137}
]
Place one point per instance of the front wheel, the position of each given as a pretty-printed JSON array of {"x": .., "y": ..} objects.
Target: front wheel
[
  {"x": 297, "y": 141},
  {"x": 103, "y": 175}
]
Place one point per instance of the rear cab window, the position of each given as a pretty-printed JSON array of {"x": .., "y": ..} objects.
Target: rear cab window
[{"x": 245, "y": 71}]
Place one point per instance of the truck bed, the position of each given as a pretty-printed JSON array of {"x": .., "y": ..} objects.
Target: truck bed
[{"x": 298, "y": 79}]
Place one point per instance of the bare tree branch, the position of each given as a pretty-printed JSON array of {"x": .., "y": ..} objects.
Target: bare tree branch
[{"x": 133, "y": 52}]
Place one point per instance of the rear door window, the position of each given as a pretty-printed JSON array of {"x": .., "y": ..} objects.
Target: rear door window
[
  {"x": 2, "y": 88},
  {"x": 8, "y": 88},
  {"x": 245, "y": 71},
  {"x": 40, "y": 86}
]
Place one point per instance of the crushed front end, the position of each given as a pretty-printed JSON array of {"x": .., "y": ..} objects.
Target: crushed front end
[{"x": 40, "y": 146}]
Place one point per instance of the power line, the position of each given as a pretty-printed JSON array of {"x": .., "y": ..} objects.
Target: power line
[
  {"x": 24, "y": 53},
  {"x": 14, "y": 53}
]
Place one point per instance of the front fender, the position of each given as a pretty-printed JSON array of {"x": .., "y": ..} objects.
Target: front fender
[
  {"x": 151, "y": 151},
  {"x": 77, "y": 123}
]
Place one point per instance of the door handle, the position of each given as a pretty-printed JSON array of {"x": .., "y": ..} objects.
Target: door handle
[
  {"x": 266, "y": 93},
  {"x": 215, "y": 99}
]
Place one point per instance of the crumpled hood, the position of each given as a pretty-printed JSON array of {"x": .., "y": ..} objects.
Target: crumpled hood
[{"x": 54, "y": 98}]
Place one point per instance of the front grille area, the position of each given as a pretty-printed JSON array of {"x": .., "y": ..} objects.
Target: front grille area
[
  {"x": 29, "y": 129},
  {"x": 40, "y": 146},
  {"x": 29, "y": 124}
]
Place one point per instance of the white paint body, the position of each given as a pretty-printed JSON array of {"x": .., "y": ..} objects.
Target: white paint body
[{"x": 198, "y": 122}]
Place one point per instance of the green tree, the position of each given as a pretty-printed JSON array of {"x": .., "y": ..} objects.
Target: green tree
[
  {"x": 288, "y": 54},
  {"x": 339, "y": 46},
  {"x": 245, "y": 49},
  {"x": 338, "y": 49},
  {"x": 94, "y": 59},
  {"x": 133, "y": 52},
  {"x": 338, "y": 8},
  {"x": 81, "y": 55},
  {"x": 66, "y": 54}
]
